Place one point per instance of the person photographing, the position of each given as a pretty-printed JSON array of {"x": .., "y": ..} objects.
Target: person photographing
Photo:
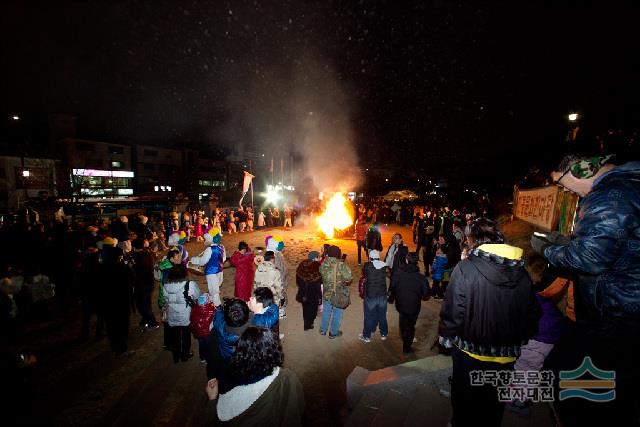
[{"x": 604, "y": 256}]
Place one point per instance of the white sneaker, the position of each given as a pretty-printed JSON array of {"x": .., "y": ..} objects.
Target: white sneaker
[
  {"x": 383, "y": 337},
  {"x": 363, "y": 338}
]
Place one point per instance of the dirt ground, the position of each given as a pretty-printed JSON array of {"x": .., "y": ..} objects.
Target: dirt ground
[{"x": 84, "y": 384}]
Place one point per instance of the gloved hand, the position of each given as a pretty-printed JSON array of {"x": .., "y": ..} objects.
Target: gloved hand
[
  {"x": 445, "y": 342},
  {"x": 539, "y": 244},
  {"x": 558, "y": 239}
]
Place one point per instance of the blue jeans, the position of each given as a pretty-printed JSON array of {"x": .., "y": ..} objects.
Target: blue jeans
[
  {"x": 327, "y": 309},
  {"x": 375, "y": 313}
]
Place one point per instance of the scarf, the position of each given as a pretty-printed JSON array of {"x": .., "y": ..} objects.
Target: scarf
[{"x": 391, "y": 254}]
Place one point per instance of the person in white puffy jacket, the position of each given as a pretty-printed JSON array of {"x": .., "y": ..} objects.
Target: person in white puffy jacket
[{"x": 179, "y": 294}]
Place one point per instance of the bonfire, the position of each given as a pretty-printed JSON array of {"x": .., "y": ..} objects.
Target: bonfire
[{"x": 337, "y": 216}]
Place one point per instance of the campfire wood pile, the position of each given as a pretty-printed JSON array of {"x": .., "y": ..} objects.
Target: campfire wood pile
[{"x": 337, "y": 218}]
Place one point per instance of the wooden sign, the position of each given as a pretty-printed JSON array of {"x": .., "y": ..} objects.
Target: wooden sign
[{"x": 537, "y": 206}]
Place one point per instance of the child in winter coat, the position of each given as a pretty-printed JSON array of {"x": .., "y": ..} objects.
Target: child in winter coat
[
  {"x": 265, "y": 311},
  {"x": 276, "y": 245},
  {"x": 437, "y": 272},
  {"x": 179, "y": 293},
  {"x": 201, "y": 321},
  {"x": 551, "y": 327}
]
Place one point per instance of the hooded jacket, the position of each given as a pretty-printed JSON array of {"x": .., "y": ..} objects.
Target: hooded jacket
[
  {"x": 376, "y": 274},
  {"x": 490, "y": 308},
  {"x": 269, "y": 318},
  {"x": 409, "y": 287},
  {"x": 439, "y": 265},
  {"x": 605, "y": 248},
  {"x": 178, "y": 311},
  {"x": 276, "y": 400},
  {"x": 223, "y": 336}
]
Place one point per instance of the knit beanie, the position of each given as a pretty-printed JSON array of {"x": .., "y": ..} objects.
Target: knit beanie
[{"x": 334, "y": 252}]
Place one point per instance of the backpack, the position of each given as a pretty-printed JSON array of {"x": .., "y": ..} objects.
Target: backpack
[
  {"x": 339, "y": 293},
  {"x": 201, "y": 318},
  {"x": 187, "y": 298}
]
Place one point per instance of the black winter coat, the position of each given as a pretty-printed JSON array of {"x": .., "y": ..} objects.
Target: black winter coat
[
  {"x": 605, "y": 248},
  {"x": 309, "y": 281},
  {"x": 409, "y": 287},
  {"x": 376, "y": 280},
  {"x": 143, "y": 270},
  {"x": 490, "y": 307},
  {"x": 116, "y": 282}
]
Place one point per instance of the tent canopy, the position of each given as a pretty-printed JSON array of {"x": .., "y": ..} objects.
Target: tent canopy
[{"x": 399, "y": 195}]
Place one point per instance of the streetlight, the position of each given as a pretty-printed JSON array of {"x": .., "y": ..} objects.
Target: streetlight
[
  {"x": 15, "y": 117},
  {"x": 574, "y": 127},
  {"x": 26, "y": 174}
]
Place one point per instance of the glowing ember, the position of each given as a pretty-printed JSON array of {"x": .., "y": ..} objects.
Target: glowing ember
[{"x": 336, "y": 216}]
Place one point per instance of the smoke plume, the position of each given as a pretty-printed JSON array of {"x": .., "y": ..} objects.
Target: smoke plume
[{"x": 300, "y": 108}]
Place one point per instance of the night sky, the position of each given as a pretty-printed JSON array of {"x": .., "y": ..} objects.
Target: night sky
[{"x": 475, "y": 83}]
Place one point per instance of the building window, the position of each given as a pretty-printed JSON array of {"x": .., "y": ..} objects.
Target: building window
[
  {"x": 115, "y": 149},
  {"x": 116, "y": 165},
  {"x": 210, "y": 183},
  {"x": 151, "y": 153}
]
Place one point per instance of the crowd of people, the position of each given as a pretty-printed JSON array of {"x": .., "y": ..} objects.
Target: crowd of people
[
  {"x": 195, "y": 223},
  {"x": 493, "y": 317}
]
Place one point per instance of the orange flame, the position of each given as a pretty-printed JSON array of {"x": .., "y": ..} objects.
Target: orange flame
[{"x": 336, "y": 216}]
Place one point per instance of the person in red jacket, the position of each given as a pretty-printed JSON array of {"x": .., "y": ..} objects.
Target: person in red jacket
[
  {"x": 242, "y": 260},
  {"x": 201, "y": 317},
  {"x": 361, "y": 236}
]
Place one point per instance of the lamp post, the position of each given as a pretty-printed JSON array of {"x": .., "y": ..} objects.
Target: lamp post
[{"x": 574, "y": 127}]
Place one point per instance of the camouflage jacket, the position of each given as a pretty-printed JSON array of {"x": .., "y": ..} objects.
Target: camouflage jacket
[{"x": 343, "y": 276}]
